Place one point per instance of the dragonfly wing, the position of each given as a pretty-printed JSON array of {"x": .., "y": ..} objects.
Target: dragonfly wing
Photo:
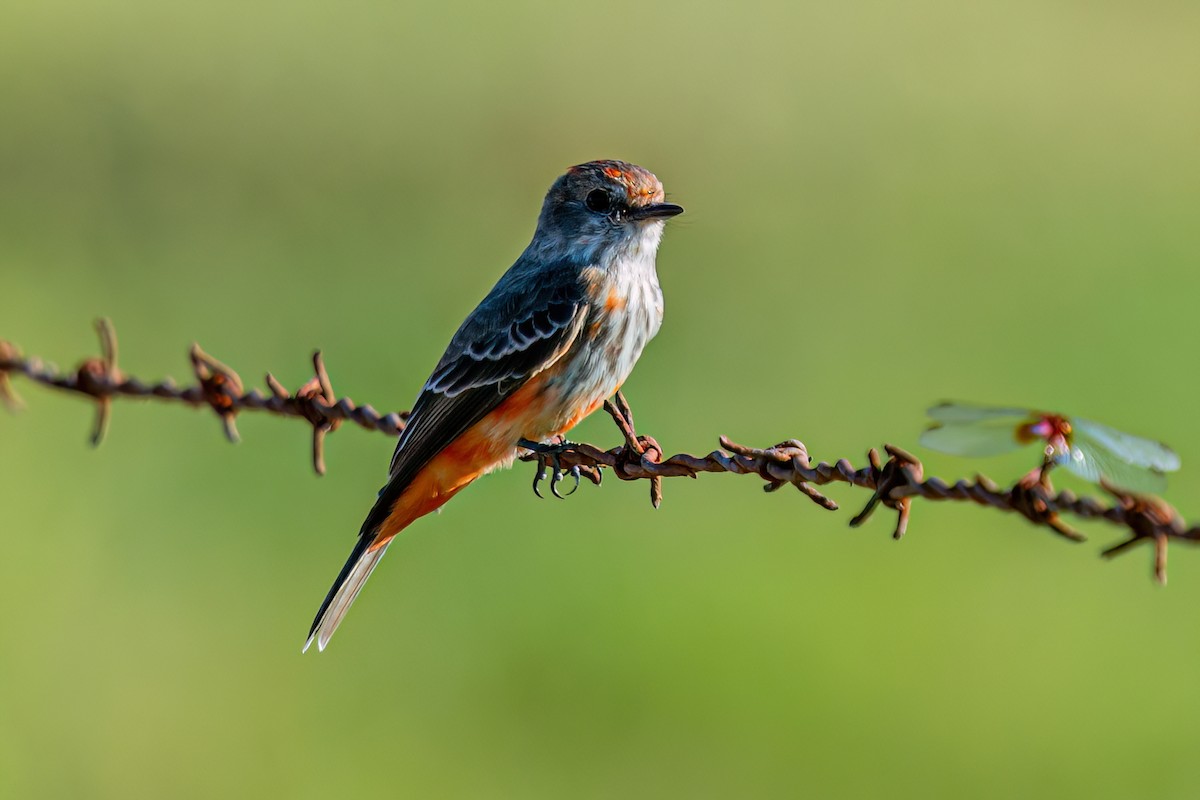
[
  {"x": 964, "y": 412},
  {"x": 972, "y": 438},
  {"x": 1093, "y": 462},
  {"x": 1127, "y": 447}
]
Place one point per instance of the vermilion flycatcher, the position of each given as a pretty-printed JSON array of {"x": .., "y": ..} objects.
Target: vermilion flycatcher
[{"x": 557, "y": 335}]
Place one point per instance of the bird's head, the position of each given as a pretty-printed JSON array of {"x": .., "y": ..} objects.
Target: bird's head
[{"x": 603, "y": 207}]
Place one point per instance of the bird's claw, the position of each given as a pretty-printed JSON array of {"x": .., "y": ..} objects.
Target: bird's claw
[
  {"x": 556, "y": 478},
  {"x": 538, "y": 477},
  {"x": 548, "y": 454}
]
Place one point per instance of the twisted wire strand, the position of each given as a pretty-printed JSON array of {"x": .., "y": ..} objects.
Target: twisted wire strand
[{"x": 894, "y": 482}]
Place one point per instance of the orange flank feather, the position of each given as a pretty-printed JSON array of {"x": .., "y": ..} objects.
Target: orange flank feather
[
  {"x": 487, "y": 445},
  {"x": 583, "y": 412}
]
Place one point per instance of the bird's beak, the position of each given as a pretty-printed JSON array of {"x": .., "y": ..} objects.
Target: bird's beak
[{"x": 656, "y": 211}]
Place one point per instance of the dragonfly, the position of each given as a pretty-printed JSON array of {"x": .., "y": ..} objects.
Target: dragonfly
[{"x": 1094, "y": 452}]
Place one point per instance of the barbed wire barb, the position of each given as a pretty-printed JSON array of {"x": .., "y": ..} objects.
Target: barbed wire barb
[{"x": 893, "y": 482}]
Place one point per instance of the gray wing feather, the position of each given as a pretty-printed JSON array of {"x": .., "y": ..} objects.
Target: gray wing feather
[
  {"x": 499, "y": 342},
  {"x": 525, "y": 324}
]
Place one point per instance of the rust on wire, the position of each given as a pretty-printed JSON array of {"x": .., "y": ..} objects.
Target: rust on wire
[
  {"x": 218, "y": 387},
  {"x": 221, "y": 388},
  {"x": 1148, "y": 519},
  {"x": 902, "y": 469},
  {"x": 893, "y": 482},
  {"x": 8, "y": 396},
  {"x": 96, "y": 376},
  {"x": 312, "y": 401}
]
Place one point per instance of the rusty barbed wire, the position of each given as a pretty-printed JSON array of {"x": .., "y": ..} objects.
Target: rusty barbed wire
[
  {"x": 893, "y": 483},
  {"x": 217, "y": 386}
]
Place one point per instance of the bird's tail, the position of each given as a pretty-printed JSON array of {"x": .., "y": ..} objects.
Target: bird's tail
[{"x": 347, "y": 586}]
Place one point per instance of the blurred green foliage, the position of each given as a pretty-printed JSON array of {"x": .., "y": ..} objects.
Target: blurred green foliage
[{"x": 888, "y": 204}]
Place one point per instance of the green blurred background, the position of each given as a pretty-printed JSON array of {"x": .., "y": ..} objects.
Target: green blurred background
[{"x": 888, "y": 204}]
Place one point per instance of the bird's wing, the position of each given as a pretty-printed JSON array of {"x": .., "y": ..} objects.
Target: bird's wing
[{"x": 523, "y": 326}]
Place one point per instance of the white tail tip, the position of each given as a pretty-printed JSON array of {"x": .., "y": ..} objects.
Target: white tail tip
[{"x": 328, "y": 623}]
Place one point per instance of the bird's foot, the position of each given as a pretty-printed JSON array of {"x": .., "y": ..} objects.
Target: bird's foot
[{"x": 548, "y": 454}]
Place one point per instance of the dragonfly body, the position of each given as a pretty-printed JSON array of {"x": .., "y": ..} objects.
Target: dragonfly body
[{"x": 1053, "y": 429}]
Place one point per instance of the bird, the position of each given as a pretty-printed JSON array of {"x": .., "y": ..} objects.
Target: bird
[{"x": 556, "y": 336}]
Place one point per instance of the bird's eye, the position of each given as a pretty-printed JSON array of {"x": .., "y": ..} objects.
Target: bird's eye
[{"x": 598, "y": 200}]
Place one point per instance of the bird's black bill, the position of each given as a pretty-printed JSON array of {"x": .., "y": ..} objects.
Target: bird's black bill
[{"x": 656, "y": 211}]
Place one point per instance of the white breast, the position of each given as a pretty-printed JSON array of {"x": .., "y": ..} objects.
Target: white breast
[{"x": 626, "y": 312}]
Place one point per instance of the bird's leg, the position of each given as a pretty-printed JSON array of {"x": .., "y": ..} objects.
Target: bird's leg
[
  {"x": 618, "y": 408},
  {"x": 549, "y": 453},
  {"x": 635, "y": 446}
]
